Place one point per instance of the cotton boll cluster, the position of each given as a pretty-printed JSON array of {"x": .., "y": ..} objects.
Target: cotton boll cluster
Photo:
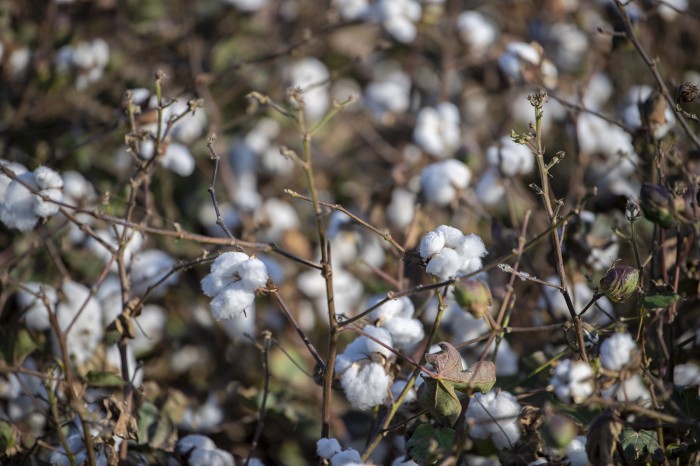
[
  {"x": 5, "y": 181},
  {"x": 347, "y": 291},
  {"x": 494, "y": 416},
  {"x": 330, "y": 449},
  {"x": 686, "y": 375},
  {"x": 148, "y": 268},
  {"x": 132, "y": 240},
  {"x": 362, "y": 374},
  {"x": 399, "y": 18},
  {"x": 396, "y": 316},
  {"x": 87, "y": 59},
  {"x": 618, "y": 351},
  {"x": 312, "y": 76},
  {"x": 437, "y": 130},
  {"x": 512, "y": 159},
  {"x": 201, "y": 451},
  {"x": 443, "y": 181},
  {"x": 573, "y": 380},
  {"x": 388, "y": 94},
  {"x": 21, "y": 209},
  {"x": 80, "y": 311},
  {"x": 576, "y": 451},
  {"x": 477, "y": 32},
  {"x": 522, "y": 61},
  {"x": 450, "y": 253},
  {"x": 36, "y": 312},
  {"x": 232, "y": 283},
  {"x": 581, "y": 294},
  {"x": 628, "y": 390}
]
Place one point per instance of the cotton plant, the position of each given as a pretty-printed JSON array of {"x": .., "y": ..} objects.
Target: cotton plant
[
  {"x": 618, "y": 352},
  {"x": 396, "y": 316},
  {"x": 477, "y": 32},
  {"x": 312, "y": 76},
  {"x": 360, "y": 367},
  {"x": 510, "y": 158},
  {"x": 151, "y": 269},
  {"x": 399, "y": 18},
  {"x": 330, "y": 449},
  {"x": 200, "y": 450},
  {"x": 437, "y": 130},
  {"x": 22, "y": 208},
  {"x": 232, "y": 283},
  {"x": 389, "y": 93},
  {"x": 87, "y": 59},
  {"x": 495, "y": 416},
  {"x": 442, "y": 182},
  {"x": 449, "y": 253},
  {"x": 573, "y": 381}
]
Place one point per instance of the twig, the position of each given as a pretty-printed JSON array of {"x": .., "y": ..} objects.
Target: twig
[{"x": 266, "y": 390}]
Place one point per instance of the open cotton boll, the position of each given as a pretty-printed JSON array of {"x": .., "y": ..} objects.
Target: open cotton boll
[
  {"x": 581, "y": 295},
  {"x": 496, "y": 416},
  {"x": 188, "y": 128},
  {"x": 398, "y": 386},
  {"x": 404, "y": 461},
  {"x": 445, "y": 265},
  {"x": 431, "y": 244},
  {"x": 476, "y": 31},
  {"x": 402, "y": 208},
  {"x": 400, "y": 307},
  {"x": 36, "y": 315},
  {"x": 232, "y": 301},
  {"x": 253, "y": 273},
  {"x": 365, "y": 385},
  {"x": 669, "y": 10},
  {"x": 113, "y": 361},
  {"x": 21, "y": 208},
  {"x": 50, "y": 184},
  {"x": 630, "y": 390},
  {"x": 148, "y": 268},
  {"x": 16, "y": 168},
  {"x": 134, "y": 241},
  {"x": 353, "y": 10},
  {"x": 573, "y": 380},
  {"x": 388, "y": 94},
  {"x": 511, "y": 158},
  {"x": 363, "y": 347},
  {"x": 617, "y": 351},
  {"x": 176, "y": 157},
  {"x": 86, "y": 333},
  {"x": 405, "y": 332},
  {"x": 327, "y": 447},
  {"x": 203, "y": 418},
  {"x": 453, "y": 236},
  {"x": 224, "y": 271},
  {"x": 398, "y": 17},
  {"x": 441, "y": 181},
  {"x": 437, "y": 130},
  {"x": 576, "y": 451},
  {"x": 311, "y": 75},
  {"x": 149, "y": 329},
  {"x": 471, "y": 249},
  {"x": 489, "y": 189},
  {"x": 349, "y": 457},
  {"x": 570, "y": 44},
  {"x": 686, "y": 375}
]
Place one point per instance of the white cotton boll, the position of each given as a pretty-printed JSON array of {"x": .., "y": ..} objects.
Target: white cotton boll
[
  {"x": 311, "y": 75},
  {"x": 431, "y": 244},
  {"x": 253, "y": 274},
  {"x": 441, "y": 181},
  {"x": 506, "y": 360},
  {"x": 274, "y": 164},
  {"x": 16, "y": 168},
  {"x": 476, "y": 31},
  {"x": 327, "y": 447},
  {"x": 109, "y": 295},
  {"x": 686, "y": 375},
  {"x": 353, "y": 10},
  {"x": 445, "y": 265},
  {"x": 576, "y": 451},
  {"x": 214, "y": 457},
  {"x": 489, "y": 189},
  {"x": 400, "y": 307},
  {"x": 471, "y": 249},
  {"x": 388, "y": 94},
  {"x": 76, "y": 189},
  {"x": 571, "y": 45},
  {"x": 405, "y": 332},
  {"x": 178, "y": 158},
  {"x": 243, "y": 325},
  {"x": 10, "y": 387},
  {"x": 510, "y": 61},
  {"x": 494, "y": 415},
  {"x": 398, "y": 386},
  {"x": 367, "y": 346},
  {"x": 188, "y": 128},
  {"x": 193, "y": 442},
  {"x": 402, "y": 208},
  {"x": 573, "y": 380},
  {"x": 231, "y": 302},
  {"x": 669, "y": 10},
  {"x": 349, "y": 457},
  {"x": 17, "y": 210},
  {"x": 100, "y": 52},
  {"x": 148, "y": 268},
  {"x": 437, "y": 129},
  {"x": 134, "y": 241},
  {"x": 598, "y": 91},
  {"x": 630, "y": 390},
  {"x": 464, "y": 326},
  {"x": 511, "y": 158},
  {"x": 399, "y": 17},
  {"x": 365, "y": 385},
  {"x": 224, "y": 271},
  {"x": 87, "y": 331},
  {"x": 36, "y": 315},
  {"x": 204, "y": 418},
  {"x": 617, "y": 351},
  {"x": 19, "y": 61},
  {"x": 453, "y": 236},
  {"x": 581, "y": 295},
  {"x": 114, "y": 363},
  {"x": 149, "y": 329}
]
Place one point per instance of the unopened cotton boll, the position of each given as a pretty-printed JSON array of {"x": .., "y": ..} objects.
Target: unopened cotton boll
[
  {"x": 617, "y": 351},
  {"x": 437, "y": 130},
  {"x": 399, "y": 18},
  {"x": 365, "y": 385},
  {"x": 573, "y": 380},
  {"x": 442, "y": 181},
  {"x": 476, "y": 31}
]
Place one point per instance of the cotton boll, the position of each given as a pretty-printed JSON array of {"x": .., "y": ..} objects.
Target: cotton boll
[
  {"x": 570, "y": 45},
  {"x": 398, "y": 386},
  {"x": 453, "y": 236},
  {"x": 363, "y": 347},
  {"x": 402, "y": 208},
  {"x": 576, "y": 451},
  {"x": 581, "y": 295},
  {"x": 327, "y": 447},
  {"x": 506, "y": 359},
  {"x": 573, "y": 380},
  {"x": 405, "y": 332},
  {"x": 76, "y": 189},
  {"x": 686, "y": 375},
  {"x": 113, "y": 361},
  {"x": 86, "y": 333},
  {"x": 353, "y": 10},
  {"x": 511, "y": 158},
  {"x": 517, "y": 52},
  {"x": 598, "y": 91},
  {"x": 445, "y": 265},
  {"x": 476, "y": 31},
  {"x": 215, "y": 457},
  {"x": 431, "y": 244},
  {"x": 630, "y": 390},
  {"x": 274, "y": 164},
  {"x": 207, "y": 217},
  {"x": 471, "y": 249},
  {"x": 17, "y": 210},
  {"x": 494, "y": 415},
  {"x": 194, "y": 441},
  {"x": 243, "y": 325},
  {"x": 437, "y": 130},
  {"x": 349, "y": 457},
  {"x": 188, "y": 128},
  {"x": 388, "y": 94},
  {"x": 489, "y": 189},
  {"x": 148, "y": 268},
  {"x": 365, "y": 385},
  {"x": 311, "y": 75},
  {"x": 248, "y": 6},
  {"x": 401, "y": 307},
  {"x": 399, "y": 17},
  {"x": 36, "y": 315},
  {"x": 441, "y": 181},
  {"x": 204, "y": 418},
  {"x": 253, "y": 273},
  {"x": 149, "y": 329},
  {"x": 231, "y": 301},
  {"x": 617, "y": 351},
  {"x": 178, "y": 158},
  {"x": 405, "y": 461},
  {"x": 669, "y": 10},
  {"x": 224, "y": 270},
  {"x": 16, "y": 168}
]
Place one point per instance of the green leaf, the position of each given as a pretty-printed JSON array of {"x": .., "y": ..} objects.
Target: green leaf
[
  {"x": 24, "y": 346},
  {"x": 104, "y": 379},
  {"x": 638, "y": 444},
  {"x": 7, "y": 437},
  {"x": 439, "y": 397},
  {"x": 428, "y": 445},
  {"x": 660, "y": 300}
]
